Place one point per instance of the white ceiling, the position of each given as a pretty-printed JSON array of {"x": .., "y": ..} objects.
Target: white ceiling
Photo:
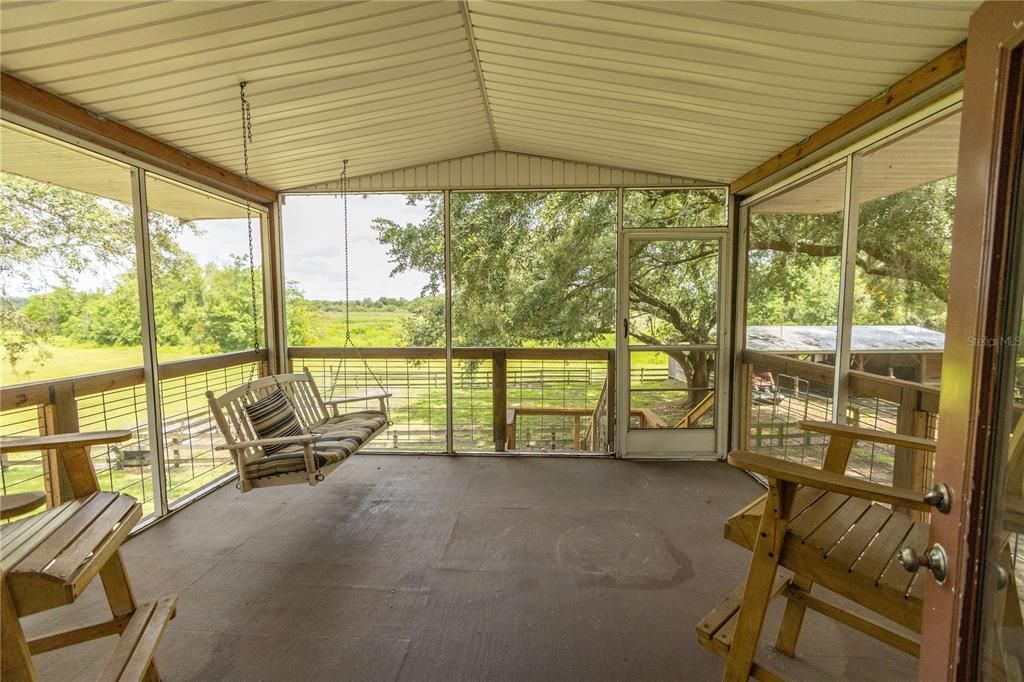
[{"x": 705, "y": 90}]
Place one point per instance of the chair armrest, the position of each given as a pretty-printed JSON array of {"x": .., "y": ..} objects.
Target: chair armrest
[
  {"x": 773, "y": 468},
  {"x": 859, "y": 433},
  {"x": 356, "y": 398},
  {"x": 283, "y": 440}
]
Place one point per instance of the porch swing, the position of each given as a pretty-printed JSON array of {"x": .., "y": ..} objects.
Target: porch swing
[{"x": 279, "y": 429}]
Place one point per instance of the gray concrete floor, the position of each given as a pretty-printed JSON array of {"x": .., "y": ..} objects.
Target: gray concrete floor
[{"x": 453, "y": 568}]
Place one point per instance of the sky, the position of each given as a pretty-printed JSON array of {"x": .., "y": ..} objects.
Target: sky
[{"x": 314, "y": 246}]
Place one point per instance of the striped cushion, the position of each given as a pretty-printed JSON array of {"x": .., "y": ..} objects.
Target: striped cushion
[
  {"x": 292, "y": 459},
  {"x": 273, "y": 417},
  {"x": 362, "y": 428},
  {"x": 361, "y": 415}
]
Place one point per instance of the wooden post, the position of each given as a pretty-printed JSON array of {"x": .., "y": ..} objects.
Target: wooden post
[
  {"x": 904, "y": 462},
  {"x": 610, "y": 402},
  {"x": 577, "y": 443},
  {"x": 499, "y": 397},
  {"x": 510, "y": 429},
  {"x": 746, "y": 404},
  {"x": 60, "y": 415}
]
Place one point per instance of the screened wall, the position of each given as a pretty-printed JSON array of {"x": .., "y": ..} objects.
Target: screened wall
[
  {"x": 126, "y": 295},
  {"x": 491, "y": 316},
  {"x": 847, "y": 272}
]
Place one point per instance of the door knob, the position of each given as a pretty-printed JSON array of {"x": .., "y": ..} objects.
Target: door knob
[
  {"x": 1002, "y": 578},
  {"x": 940, "y": 497},
  {"x": 934, "y": 559}
]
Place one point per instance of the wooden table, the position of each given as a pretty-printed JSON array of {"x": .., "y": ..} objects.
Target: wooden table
[
  {"x": 48, "y": 559},
  {"x": 70, "y": 446},
  {"x": 20, "y": 503},
  {"x": 62, "y": 441}
]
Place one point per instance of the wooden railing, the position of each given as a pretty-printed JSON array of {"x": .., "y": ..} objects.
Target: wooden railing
[
  {"x": 92, "y": 401},
  {"x": 916, "y": 412},
  {"x": 503, "y": 429}
]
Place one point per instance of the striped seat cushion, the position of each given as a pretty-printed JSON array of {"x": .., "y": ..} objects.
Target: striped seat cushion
[
  {"x": 360, "y": 429},
  {"x": 357, "y": 416},
  {"x": 273, "y": 417},
  {"x": 292, "y": 459}
]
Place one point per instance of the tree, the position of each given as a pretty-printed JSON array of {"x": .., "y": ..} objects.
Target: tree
[
  {"x": 539, "y": 268},
  {"x": 903, "y": 251},
  {"x": 49, "y": 237},
  {"x": 533, "y": 267}
]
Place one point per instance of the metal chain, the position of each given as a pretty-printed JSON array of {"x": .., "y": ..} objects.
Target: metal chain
[
  {"x": 246, "y": 140},
  {"x": 343, "y": 184},
  {"x": 343, "y": 189}
]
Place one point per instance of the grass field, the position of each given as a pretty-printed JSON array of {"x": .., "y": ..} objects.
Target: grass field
[
  {"x": 71, "y": 360},
  {"x": 370, "y": 328}
]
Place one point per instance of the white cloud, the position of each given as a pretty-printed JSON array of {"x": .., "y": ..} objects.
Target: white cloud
[{"x": 314, "y": 247}]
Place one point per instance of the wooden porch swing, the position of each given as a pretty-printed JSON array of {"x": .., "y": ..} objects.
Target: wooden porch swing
[{"x": 279, "y": 429}]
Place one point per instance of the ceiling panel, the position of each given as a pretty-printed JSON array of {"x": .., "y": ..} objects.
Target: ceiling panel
[{"x": 704, "y": 90}]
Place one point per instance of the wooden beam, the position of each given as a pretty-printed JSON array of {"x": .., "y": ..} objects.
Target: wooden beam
[
  {"x": 19, "y": 97},
  {"x": 949, "y": 63}
]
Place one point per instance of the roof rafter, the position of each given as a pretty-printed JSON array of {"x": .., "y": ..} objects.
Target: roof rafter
[{"x": 471, "y": 40}]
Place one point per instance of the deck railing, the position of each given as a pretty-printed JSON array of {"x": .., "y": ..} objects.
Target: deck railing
[
  {"x": 802, "y": 390},
  {"x": 117, "y": 400},
  {"x": 524, "y": 399}
]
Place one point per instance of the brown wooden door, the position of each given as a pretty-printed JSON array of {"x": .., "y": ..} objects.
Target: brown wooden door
[{"x": 969, "y": 630}]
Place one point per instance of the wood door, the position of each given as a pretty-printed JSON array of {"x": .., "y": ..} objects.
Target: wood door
[{"x": 982, "y": 342}]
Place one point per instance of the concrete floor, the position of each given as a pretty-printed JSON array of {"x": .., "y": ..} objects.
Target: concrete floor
[{"x": 449, "y": 568}]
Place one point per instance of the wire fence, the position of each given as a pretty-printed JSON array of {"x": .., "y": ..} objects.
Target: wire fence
[
  {"x": 188, "y": 429},
  {"x": 190, "y": 433},
  {"x": 779, "y": 402},
  {"x": 418, "y": 407}
]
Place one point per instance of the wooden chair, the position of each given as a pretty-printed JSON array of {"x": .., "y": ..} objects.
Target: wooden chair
[
  {"x": 840, "y": 532},
  {"x": 332, "y": 435},
  {"x": 47, "y": 560}
]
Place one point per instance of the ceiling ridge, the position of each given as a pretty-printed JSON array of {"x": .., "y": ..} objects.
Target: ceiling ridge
[{"x": 471, "y": 40}]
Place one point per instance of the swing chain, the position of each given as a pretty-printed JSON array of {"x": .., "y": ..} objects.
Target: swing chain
[
  {"x": 343, "y": 188},
  {"x": 246, "y": 140}
]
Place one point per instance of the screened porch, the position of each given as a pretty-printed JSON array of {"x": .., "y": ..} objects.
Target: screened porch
[{"x": 571, "y": 255}]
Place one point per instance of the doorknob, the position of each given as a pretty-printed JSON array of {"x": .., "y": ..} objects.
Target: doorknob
[
  {"x": 940, "y": 497},
  {"x": 1002, "y": 578},
  {"x": 934, "y": 560}
]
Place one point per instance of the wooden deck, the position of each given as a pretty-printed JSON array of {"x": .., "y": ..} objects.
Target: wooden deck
[{"x": 448, "y": 568}]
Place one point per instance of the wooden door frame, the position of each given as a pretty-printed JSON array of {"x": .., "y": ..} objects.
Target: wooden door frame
[{"x": 989, "y": 145}]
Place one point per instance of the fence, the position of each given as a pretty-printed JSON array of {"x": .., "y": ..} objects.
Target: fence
[
  {"x": 802, "y": 390},
  {"x": 523, "y": 399},
  {"x": 117, "y": 400}
]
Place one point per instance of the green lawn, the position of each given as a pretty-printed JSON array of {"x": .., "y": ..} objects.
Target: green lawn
[
  {"x": 71, "y": 360},
  {"x": 370, "y": 328}
]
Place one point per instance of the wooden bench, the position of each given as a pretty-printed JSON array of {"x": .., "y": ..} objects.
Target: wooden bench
[
  {"x": 829, "y": 529},
  {"x": 47, "y": 560}
]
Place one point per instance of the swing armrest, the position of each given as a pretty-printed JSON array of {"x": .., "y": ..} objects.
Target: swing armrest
[
  {"x": 283, "y": 440},
  {"x": 357, "y": 398}
]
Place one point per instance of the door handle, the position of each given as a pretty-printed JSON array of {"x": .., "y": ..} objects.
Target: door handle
[
  {"x": 934, "y": 559},
  {"x": 940, "y": 497},
  {"x": 1002, "y": 578}
]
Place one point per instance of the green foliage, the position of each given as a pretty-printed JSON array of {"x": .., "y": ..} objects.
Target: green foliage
[
  {"x": 903, "y": 251},
  {"x": 49, "y": 237}
]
